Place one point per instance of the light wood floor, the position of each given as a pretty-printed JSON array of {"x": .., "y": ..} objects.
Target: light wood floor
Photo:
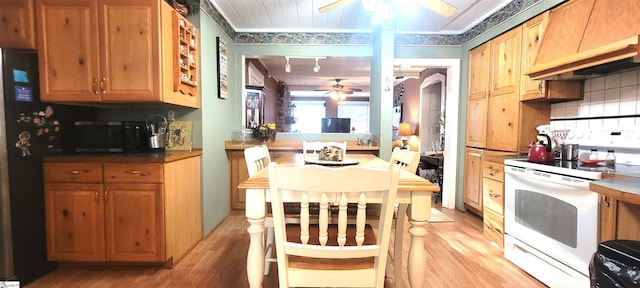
[{"x": 459, "y": 256}]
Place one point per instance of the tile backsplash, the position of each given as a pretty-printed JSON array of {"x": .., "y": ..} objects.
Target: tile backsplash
[{"x": 609, "y": 101}]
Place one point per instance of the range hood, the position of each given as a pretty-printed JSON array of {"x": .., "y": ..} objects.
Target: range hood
[{"x": 589, "y": 38}]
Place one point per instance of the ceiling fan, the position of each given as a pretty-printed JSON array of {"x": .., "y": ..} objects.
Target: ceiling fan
[
  {"x": 339, "y": 88},
  {"x": 438, "y": 6}
]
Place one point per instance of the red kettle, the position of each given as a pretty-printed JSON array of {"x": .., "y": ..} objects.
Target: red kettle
[{"x": 540, "y": 152}]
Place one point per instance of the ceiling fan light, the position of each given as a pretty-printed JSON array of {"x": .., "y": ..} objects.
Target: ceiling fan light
[
  {"x": 317, "y": 67},
  {"x": 287, "y": 67}
]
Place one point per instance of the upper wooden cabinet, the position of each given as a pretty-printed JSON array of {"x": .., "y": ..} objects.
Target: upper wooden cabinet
[
  {"x": 548, "y": 90},
  {"x": 109, "y": 51},
  {"x": 479, "y": 64},
  {"x": 505, "y": 63},
  {"x": 501, "y": 121},
  {"x": 17, "y": 28}
]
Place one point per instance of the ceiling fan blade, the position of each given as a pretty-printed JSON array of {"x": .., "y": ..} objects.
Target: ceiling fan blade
[
  {"x": 333, "y": 5},
  {"x": 346, "y": 91},
  {"x": 439, "y": 6}
]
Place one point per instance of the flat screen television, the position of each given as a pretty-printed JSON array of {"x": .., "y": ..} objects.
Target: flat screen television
[{"x": 336, "y": 125}]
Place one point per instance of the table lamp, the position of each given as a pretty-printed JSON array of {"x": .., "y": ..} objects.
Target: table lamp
[{"x": 404, "y": 130}]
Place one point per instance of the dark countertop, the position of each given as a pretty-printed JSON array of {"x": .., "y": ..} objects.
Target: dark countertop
[{"x": 142, "y": 157}]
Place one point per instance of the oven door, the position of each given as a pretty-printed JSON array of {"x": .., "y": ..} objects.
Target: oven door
[{"x": 555, "y": 214}]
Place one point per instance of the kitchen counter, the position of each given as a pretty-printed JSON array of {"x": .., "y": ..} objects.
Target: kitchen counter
[
  {"x": 625, "y": 189},
  {"x": 296, "y": 145},
  {"x": 146, "y": 157}
]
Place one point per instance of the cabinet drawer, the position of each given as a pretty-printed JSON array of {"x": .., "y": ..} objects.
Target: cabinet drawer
[
  {"x": 493, "y": 170},
  {"x": 138, "y": 173},
  {"x": 493, "y": 195},
  {"x": 73, "y": 172},
  {"x": 493, "y": 227}
]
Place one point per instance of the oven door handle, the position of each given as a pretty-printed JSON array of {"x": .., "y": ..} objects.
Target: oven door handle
[{"x": 549, "y": 177}]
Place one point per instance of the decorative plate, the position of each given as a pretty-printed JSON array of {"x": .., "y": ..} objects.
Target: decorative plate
[
  {"x": 590, "y": 161},
  {"x": 344, "y": 162}
]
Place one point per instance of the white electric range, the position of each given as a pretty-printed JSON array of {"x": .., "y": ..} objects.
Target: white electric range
[{"x": 551, "y": 216}]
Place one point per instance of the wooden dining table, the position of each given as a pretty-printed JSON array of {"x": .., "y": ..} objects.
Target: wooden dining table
[{"x": 413, "y": 190}]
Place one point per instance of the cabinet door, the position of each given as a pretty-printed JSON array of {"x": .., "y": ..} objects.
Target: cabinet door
[
  {"x": 130, "y": 55},
  {"x": 17, "y": 28},
  {"x": 473, "y": 180},
  {"x": 479, "y": 64},
  {"x": 532, "y": 33},
  {"x": 477, "y": 123},
  {"x": 134, "y": 222},
  {"x": 75, "y": 222},
  {"x": 237, "y": 174},
  {"x": 503, "y": 122},
  {"x": 505, "y": 63},
  {"x": 67, "y": 37}
]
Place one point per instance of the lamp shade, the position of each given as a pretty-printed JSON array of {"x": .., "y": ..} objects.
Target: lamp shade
[{"x": 405, "y": 129}]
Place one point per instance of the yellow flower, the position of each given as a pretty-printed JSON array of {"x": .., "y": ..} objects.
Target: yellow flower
[{"x": 272, "y": 126}]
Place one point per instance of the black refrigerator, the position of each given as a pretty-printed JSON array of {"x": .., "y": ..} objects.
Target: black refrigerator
[{"x": 29, "y": 130}]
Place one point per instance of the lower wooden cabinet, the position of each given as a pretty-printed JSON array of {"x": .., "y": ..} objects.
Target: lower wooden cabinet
[
  {"x": 122, "y": 212},
  {"x": 473, "y": 180},
  {"x": 619, "y": 218}
]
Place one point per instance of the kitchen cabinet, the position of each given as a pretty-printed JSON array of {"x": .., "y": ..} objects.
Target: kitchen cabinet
[
  {"x": 122, "y": 212},
  {"x": 477, "y": 102},
  {"x": 542, "y": 90},
  {"x": 108, "y": 51},
  {"x": 472, "y": 197},
  {"x": 505, "y": 63},
  {"x": 510, "y": 123},
  {"x": 17, "y": 25},
  {"x": 619, "y": 208},
  {"x": 493, "y": 201}
]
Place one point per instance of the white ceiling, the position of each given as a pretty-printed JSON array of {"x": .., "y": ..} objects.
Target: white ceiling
[
  {"x": 261, "y": 16},
  {"x": 303, "y": 16}
]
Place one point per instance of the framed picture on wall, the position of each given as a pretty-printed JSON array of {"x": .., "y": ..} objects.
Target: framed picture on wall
[
  {"x": 397, "y": 116},
  {"x": 223, "y": 76}
]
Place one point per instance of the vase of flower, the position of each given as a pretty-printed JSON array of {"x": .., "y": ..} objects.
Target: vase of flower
[{"x": 265, "y": 132}]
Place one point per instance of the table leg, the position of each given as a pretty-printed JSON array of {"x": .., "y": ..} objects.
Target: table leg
[
  {"x": 255, "y": 255},
  {"x": 420, "y": 212},
  {"x": 255, "y": 213},
  {"x": 398, "y": 244}
]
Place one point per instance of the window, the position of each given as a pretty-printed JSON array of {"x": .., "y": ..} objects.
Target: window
[
  {"x": 313, "y": 112},
  {"x": 358, "y": 111}
]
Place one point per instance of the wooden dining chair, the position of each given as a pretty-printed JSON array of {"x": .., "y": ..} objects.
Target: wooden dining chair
[
  {"x": 313, "y": 147},
  {"x": 332, "y": 255}
]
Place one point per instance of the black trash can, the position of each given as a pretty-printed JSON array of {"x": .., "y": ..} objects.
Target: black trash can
[{"x": 616, "y": 264}]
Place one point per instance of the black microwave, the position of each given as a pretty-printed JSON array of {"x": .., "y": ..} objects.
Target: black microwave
[{"x": 110, "y": 136}]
